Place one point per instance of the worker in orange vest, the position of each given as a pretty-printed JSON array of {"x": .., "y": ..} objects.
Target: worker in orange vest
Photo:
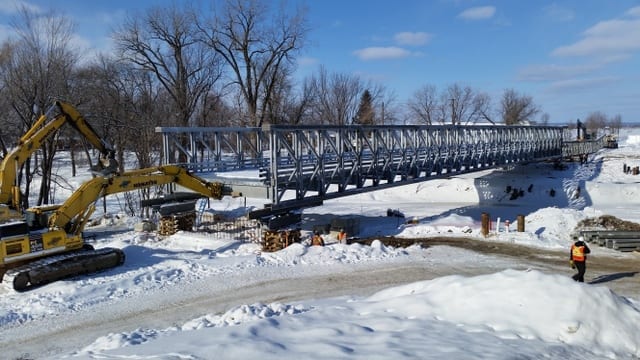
[
  {"x": 317, "y": 240},
  {"x": 342, "y": 237},
  {"x": 578, "y": 258}
]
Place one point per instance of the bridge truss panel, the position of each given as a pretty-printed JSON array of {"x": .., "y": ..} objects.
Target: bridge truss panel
[
  {"x": 213, "y": 149},
  {"x": 329, "y": 160},
  {"x": 299, "y": 162}
]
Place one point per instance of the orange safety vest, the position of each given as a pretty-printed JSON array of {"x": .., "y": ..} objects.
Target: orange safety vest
[
  {"x": 577, "y": 253},
  {"x": 342, "y": 235}
]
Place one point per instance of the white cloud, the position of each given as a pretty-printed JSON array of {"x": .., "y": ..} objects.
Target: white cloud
[
  {"x": 11, "y": 7},
  {"x": 559, "y": 13},
  {"x": 110, "y": 18},
  {"x": 582, "y": 84},
  {"x": 478, "y": 13},
  {"x": 412, "y": 38},
  {"x": 617, "y": 36},
  {"x": 378, "y": 53},
  {"x": 307, "y": 61},
  {"x": 553, "y": 72},
  {"x": 635, "y": 11}
]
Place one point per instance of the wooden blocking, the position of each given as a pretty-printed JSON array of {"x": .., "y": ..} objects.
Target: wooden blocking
[
  {"x": 170, "y": 224},
  {"x": 186, "y": 221},
  {"x": 274, "y": 240}
]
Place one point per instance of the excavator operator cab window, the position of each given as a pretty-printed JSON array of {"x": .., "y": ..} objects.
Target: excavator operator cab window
[{"x": 36, "y": 220}]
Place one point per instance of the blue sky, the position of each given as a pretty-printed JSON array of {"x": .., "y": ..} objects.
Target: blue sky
[{"x": 572, "y": 57}]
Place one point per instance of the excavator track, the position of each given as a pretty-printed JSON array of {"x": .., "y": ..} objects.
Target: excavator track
[{"x": 57, "y": 267}]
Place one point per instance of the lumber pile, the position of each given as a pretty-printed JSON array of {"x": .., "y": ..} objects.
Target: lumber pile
[{"x": 274, "y": 240}]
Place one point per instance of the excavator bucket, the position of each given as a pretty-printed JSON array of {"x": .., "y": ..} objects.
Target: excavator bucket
[{"x": 105, "y": 167}]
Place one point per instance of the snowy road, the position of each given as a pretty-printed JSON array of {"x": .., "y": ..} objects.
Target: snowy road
[{"x": 65, "y": 332}]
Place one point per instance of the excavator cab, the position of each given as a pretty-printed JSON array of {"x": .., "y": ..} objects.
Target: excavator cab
[{"x": 37, "y": 217}]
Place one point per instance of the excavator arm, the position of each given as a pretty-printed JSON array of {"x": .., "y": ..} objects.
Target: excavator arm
[
  {"x": 107, "y": 164},
  {"x": 33, "y": 139},
  {"x": 73, "y": 213}
]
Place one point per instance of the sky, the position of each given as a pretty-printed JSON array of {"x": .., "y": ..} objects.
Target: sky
[
  {"x": 573, "y": 57},
  {"x": 199, "y": 296}
]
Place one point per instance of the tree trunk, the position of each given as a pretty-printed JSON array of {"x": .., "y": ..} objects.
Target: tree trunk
[{"x": 72, "y": 153}]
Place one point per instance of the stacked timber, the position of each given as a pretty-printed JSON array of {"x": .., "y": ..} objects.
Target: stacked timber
[
  {"x": 275, "y": 240},
  {"x": 170, "y": 224}
]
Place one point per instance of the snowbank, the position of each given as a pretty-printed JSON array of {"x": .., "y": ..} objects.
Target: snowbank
[{"x": 485, "y": 316}]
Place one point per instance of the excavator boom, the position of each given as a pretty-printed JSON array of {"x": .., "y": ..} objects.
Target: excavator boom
[
  {"x": 32, "y": 140},
  {"x": 71, "y": 213}
]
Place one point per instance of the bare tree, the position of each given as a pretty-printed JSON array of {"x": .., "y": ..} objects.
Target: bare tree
[
  {"x": 336, "y": 97},
  {"x": 214, "y": 111},
  {"x": 615, "y": 123},
  {"x": 517, "y": 108},
  {"x": 544, "y": 119},
  {"x": 481, "y": 108},
  {"x": 278, "y": 103},
  {"x": 299, "y": 105},
  {"x": 257, "y": 46},
  {"x": 464, "y": 105},
  {"x": 595, "y": 120},
  {"x": 39, "y": 69},
  {"x": 9, "y": 131},
  {"x": 424, "y": 105},
  {"x": 165, "y": 42},
  {"x": 93, "y": 93},
  {"x": 128, "y": 103}
]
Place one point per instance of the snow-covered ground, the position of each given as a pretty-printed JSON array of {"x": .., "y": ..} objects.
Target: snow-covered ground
[{"x": 507, "y": 312}]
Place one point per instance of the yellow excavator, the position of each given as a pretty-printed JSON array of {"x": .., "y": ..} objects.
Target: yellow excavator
[
  {"x": 57, "y": 115},
  {"x": 48, "y": 245}
]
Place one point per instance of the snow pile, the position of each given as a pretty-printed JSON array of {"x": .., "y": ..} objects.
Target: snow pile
[
  {"x": 632, "y": 139},
  {"x": 485, "y": 316},
  {"x": 235, "y": 316},
  {"x": 335, "y": 254}
]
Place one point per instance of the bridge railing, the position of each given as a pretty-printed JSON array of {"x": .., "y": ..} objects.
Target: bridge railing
[{"x": 573, "y": 148}]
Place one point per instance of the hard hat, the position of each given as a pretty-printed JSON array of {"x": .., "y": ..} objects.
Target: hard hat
[{"x": 581, "y": 238}]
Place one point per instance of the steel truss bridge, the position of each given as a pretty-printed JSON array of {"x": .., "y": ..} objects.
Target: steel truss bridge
[{"x": 298, "y": 165}]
